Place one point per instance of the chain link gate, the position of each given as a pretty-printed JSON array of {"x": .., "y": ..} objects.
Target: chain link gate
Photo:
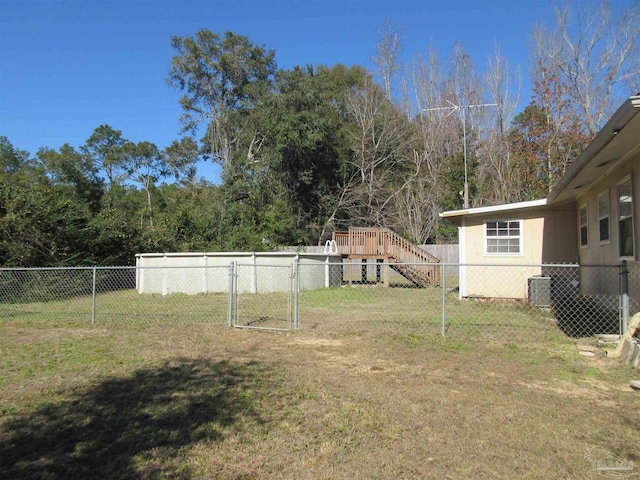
[{"x": 262, "y": 297}]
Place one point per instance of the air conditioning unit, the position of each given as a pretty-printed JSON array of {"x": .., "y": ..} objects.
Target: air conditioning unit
[{"x": 540, "y": 291}]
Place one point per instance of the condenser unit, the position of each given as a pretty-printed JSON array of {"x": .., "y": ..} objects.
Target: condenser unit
[{"x": 540, "y": 291}]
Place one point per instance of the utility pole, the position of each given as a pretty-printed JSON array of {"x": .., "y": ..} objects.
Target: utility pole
[{"x": 454, "y": 108}]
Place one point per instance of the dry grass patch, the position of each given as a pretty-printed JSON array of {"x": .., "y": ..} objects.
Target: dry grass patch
[{"x": 198, "y": 401}]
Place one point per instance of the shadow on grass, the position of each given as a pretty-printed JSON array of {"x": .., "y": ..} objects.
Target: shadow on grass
[
  {"x": 132, "y": 427},
  {"x": 585, "y": 317}
]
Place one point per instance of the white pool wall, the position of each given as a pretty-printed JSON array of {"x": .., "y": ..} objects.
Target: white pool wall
[{"x": 257, "y": 272}]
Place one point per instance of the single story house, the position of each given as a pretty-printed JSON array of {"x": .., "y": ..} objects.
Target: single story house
[
  {"x": 503, "y": 246},
  {"x": 590, "y": 218}
]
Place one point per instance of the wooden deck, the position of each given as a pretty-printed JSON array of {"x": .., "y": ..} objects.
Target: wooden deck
[{"x": 385, "y": 245}]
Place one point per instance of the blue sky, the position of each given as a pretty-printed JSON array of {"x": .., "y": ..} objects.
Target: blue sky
[{"x": 68, "y": 66}]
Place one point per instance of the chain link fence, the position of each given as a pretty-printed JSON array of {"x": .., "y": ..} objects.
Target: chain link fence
[
  {"x": 108, "y": 297},
  {"x": 470, "y": 302},
  {"x": 263, "y": 297}
]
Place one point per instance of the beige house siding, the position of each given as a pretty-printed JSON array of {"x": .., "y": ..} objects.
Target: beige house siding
[
  {"x": 548, "y": 236},
  {"x": 601, "y": 281},
  {"x": 552, "y": 230},
  {"x": 560, "y": 237},
  {"x": 607, "y": 253}
]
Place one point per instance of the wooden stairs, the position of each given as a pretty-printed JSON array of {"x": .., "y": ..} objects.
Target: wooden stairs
[{"x": 385, "y": 245}]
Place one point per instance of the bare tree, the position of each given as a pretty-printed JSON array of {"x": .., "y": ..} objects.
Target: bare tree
[
  {"x": 439, "y": 130},
  {"x": 466, "y": 89},
  {"x": 388, "y": 50},
  {"x": 416, "y": 204},
  {"x": 504, "y": 85},
  {"x": 595, "y": 52},
  {"x": 436, "y": 139},
  {"x": 427, "y": 80},
  {"x": 496, "y": 174},
  {"x": 380, "y": 139},
  {"x": 345, "y": 200},
  {"x": 464, "y": 86}
]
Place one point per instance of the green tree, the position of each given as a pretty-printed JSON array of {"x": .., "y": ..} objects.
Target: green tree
[
  {"x": 146, "y": 165},
  {"x": 182, "y": 156},
  {"x": 13, "y": 160},
  {"x": 542, "y": 150},
  {"x": 105, "y": 148},
  {"x": 307, "y": 124},
  {"x": 42, "y": 223},
  {"x": 223, "y": 78},
  {"x": 75, "y": 173},
  {"x": 115, "y": 237},
  {"x": 42, "y": 227}
]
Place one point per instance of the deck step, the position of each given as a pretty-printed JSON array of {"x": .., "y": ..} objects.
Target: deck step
[{"x": 383, "y": 244}]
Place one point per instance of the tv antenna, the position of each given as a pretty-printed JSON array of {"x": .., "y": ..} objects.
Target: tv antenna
[{"x": 463, "y": 108}]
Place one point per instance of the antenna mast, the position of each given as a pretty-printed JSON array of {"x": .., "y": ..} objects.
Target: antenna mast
[{"x": 454, "y": 108}]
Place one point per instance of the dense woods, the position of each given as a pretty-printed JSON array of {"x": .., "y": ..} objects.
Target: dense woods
[{"x": 305, "y": 151}]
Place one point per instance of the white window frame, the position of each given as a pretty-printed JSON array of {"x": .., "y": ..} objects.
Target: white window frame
[
  {"x": 584, "y": 225},
  {"x": 520, "y": 237},
  {"x": 620, "y": 183},
  {"x": 604, "y": 195}
]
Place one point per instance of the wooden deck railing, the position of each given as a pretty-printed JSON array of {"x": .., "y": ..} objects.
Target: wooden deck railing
[
  {"x": 401, "y": 250},
  {"x": 364, "y": 242},
  {"x": 387, "y": 244},
  {"x": 342, "y": 242}
]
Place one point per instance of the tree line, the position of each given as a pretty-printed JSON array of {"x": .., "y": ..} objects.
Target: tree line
[{"x": 309, "y": 150}]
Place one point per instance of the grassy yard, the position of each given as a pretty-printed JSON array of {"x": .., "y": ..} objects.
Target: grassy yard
[
  {"x": 357, "y": 309},
  {"x": 153, "y": 399}
]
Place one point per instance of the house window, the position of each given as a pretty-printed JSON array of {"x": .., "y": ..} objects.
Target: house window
[
  {"x": 624, "y": 197},
  {"x": 584, "y": 226},
  {"x": 503, "y": 237},
  {"x": 603, "y": 217}
]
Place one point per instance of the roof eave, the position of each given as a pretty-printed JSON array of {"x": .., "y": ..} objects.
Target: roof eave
[
  {"x": 616, "y": 123},
  {"x": 454, "y": 215}
]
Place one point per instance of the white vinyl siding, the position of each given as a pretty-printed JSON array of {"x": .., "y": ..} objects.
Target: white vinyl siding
[{"x": 503, "y": 237}]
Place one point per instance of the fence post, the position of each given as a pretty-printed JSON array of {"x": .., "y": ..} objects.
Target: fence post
[
  {"x": 327, "y": 280},
  {"x": 624, "y": 296},
  {"x": 290, "y": 319},
  {"x": 93, "y": 298},
  {"x": 443, "y": 280},
  {"x": 205, "y": 279},
  {"x": 254, "y": 273},
  {"x": 230, "y": 296},
  {"x": 296, "y": 293},
  {"x": 165, "y": 275}
]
